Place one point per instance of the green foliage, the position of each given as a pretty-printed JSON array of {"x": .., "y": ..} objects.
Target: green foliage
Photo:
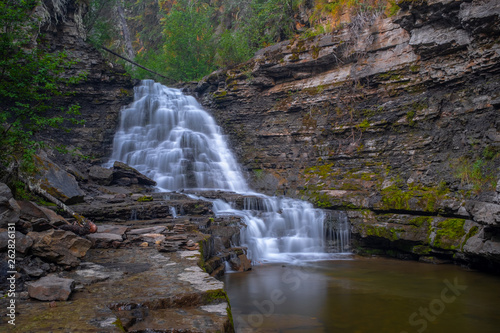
[
  {"x": 479, "y": 173},
  {"x": 100, "y": 25},
  {"x": 30, "y": 78},
  {"x": 189, "y": 46}
]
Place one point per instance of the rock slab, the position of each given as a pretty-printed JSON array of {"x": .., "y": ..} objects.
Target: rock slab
[{"x": 51, "y": 288}]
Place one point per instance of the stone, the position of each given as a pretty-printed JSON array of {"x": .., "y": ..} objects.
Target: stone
[
  {"x": 51, "y": 288},
  {"x": 112, "y": 229},
  {"x": 60, "y": 247},
  {"x": 241, "y": 263},
  {"x": 100, "y": 175},
  {"x": 152, "y": 238},
  {"x": 33, "y": 271},
  {"x": 149, "y": 230},
  {"x": 104, "y": 240},
  {"x": 5, "y": 192},
  {"x": 484, "y": 212},
  {"x": 9, "y": 209},
  {"x": 23, "y": 242},
  {"x": 126, "y": 175},
  {"x": 57, "y": 182}
]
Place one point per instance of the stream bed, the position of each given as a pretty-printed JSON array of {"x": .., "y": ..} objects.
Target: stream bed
[{"x": 360, "y": 294}]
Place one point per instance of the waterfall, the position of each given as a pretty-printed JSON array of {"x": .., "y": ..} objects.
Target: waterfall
[{"x": 169, "y": 137}]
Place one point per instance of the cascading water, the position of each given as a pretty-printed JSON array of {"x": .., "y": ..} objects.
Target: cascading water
[{"x": 170, "y": 138}]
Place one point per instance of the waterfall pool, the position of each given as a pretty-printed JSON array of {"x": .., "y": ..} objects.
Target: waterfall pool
[{"x": 359, "y": 294}]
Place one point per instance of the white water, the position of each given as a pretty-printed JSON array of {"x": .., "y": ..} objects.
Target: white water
[{"x": 170, "y": 138}]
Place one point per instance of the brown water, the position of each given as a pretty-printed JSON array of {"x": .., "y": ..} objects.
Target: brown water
[{"x": 364, "y": 295}]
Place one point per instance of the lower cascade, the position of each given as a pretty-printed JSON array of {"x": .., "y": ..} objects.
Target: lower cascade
[{"x": 168, "y": 136}]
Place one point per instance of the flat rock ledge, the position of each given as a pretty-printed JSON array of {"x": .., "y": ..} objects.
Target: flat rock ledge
[{"x": 131, "y": 289}]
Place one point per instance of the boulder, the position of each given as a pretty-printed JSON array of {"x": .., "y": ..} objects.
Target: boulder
[
  {"x": 126, "y": 175},
  {"x": 32, "y": 212},
  {"x": 51, "y": 288},
  {"x": 57, "y": 182},
  {"x": 61, "y": 247},
  {"x": 112, "y": 229},
  {"x": 104, "y": 240},
  {"x": 241, "y": 263},
  {"x": 100, "y": 175},
  {"x": 23, "y": 242}
]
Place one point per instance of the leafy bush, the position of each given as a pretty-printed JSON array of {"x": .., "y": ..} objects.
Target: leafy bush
[{"x": 30, "y": 78}]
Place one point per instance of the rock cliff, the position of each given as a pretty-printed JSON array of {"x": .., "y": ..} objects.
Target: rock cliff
[
  {"x": 101, "y": 95},
  {"x": 394, "y": 120}
]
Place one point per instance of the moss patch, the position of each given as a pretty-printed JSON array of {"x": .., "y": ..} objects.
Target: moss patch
[{"x": 449, "y": 233}]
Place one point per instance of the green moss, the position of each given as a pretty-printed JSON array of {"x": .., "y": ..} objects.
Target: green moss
[
  {"x": 364, "y": 125},
  {"x": 409, "y": 117},
  {"x": 220, "y": 94},
  {"x": 211, "y": 296},
  {"x": 421, "y": 250},
  {"x": 315, "y": 51},
  {"x": 448, "y": 233},
  {"x": 145, "y": 198},
  {"x": 426, "y": 198},
  {"x": 419, "y": 221},
  {"x": 414, "y": 68},
  {"x": 472, "y": 232},
  {"x": 118, "y": 324},
  {"x": 382, "y": 232}
]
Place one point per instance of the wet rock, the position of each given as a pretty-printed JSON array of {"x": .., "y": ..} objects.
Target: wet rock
[
  {"x": 125, "y": 175},
  {"x": 241, "y": 263},
  {"x": 90, "y": 273},
  {"x": 51, "y": 288},
  {"x": 100, "y": 175},
  {"x": 61, "y": 247},
  {"x": 104, "y": 240},
  {"x": 112, "y": 229},
  {"x": 57, "y": 182},
  {"x": 152, "y": 238},
  {"x": 149, "y": 230}
]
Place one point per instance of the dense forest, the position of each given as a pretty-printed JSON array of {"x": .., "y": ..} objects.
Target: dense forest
[
  {"x": 182, "y": 40},
  {"x": 187, "y": 39}
]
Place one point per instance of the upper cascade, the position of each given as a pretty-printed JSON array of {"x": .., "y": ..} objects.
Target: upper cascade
[{"x": 170, "y": 138}]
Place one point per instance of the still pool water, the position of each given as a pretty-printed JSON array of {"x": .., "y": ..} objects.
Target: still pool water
[{"x": 357, "y": 294}]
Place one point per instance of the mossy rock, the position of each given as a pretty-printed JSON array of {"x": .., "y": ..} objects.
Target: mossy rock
[{"x": 449, "y": 233}]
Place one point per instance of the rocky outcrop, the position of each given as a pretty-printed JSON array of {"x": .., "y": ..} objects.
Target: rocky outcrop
[
  {"x": 105, "y": 89},
  {"x": 394, "y": 120}
]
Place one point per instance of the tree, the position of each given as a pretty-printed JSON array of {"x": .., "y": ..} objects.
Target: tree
[
  {"x": 30, "y": 79},
  {"x": 189, "y": 45}
]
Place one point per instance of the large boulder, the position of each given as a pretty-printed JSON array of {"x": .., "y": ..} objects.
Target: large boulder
[
  {"x": 126, "y": 175},
  {"x": 59, "y": 246},
  {"x": 51, "y": 288},
  {"x": 57, "y": 182},
  {"x": 39, "y": 218},
  {"x": 100, "y": 175}
]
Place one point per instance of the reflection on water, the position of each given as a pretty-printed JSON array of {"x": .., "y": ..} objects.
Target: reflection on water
[{"x": 364, "y": 295}]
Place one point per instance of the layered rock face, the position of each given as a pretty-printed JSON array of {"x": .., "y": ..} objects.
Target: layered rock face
[
  {"x": 102, "y": 93},
  {"x": 394, "y": 120}
]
